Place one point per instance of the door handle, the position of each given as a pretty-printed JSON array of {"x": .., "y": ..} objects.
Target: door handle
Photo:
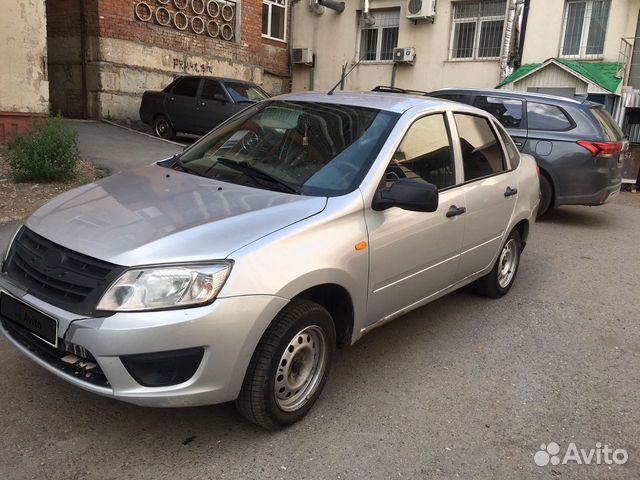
[
  {"x": 171, "y": 99},
  {"x": 518, "y": 144},
  {"x": 510, "y": 192},
  {"x": 201, "y": 103},
  {"x": 455, "y": 211}
]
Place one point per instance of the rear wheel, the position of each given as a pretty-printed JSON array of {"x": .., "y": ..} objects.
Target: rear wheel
[
  {"x": 289, "y": 367},
  {"x": 163, "y": 128},
  {"x": 546, "y": 195},
  {"x": 500, "y": 280}
]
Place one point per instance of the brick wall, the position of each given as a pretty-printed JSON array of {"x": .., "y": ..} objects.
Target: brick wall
[{"x": 125, "y": 56}]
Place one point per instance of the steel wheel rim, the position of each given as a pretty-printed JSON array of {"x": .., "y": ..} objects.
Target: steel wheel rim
[
  {"x": 162, "y": 127},
  {"x": 301, "y": 368},
  {"x": 508, "y": 263}
]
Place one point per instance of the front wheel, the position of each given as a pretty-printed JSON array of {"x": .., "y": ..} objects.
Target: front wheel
[
  {"x": 289, "y": 367},
  {"x": 501, "y": 278}
]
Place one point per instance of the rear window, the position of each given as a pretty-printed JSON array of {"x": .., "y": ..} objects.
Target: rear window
[
  {"x": 186, "y": 87},
  {"x": 610, "y": 128},
  {"x": 541, "y": 116},
  {"x": 508, "y": 111}
]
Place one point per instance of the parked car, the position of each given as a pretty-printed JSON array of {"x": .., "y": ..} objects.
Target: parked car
[
  {"x": 233, "y": 270},
  {"x": 577, "y": 145},
  {"x": 192, "y": 104}
]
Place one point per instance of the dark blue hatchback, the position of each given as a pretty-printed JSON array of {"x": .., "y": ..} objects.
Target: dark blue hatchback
[{"x": 578, "y": 146}]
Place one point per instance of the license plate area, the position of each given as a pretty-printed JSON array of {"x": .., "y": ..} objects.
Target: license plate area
[{"x": 41, "y": 325}]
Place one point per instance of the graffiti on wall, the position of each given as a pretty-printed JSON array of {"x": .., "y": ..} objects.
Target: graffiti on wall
[
  {"x": 192, "y": 66},
  {"x": 214, "y": 18}
]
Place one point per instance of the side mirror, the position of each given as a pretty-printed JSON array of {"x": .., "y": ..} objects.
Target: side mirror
[
  {"x": 409, "y": 195},
  {"x": 220, "y": 97}
]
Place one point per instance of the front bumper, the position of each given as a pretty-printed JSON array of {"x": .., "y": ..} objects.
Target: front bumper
[{"x": 229, "y": 330}]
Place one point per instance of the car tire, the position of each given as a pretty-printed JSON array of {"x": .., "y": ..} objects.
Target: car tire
[
  {"x": 503, "y": 274},
  {"x": 289, "y": 367},
  {"x": 162, "y": 127},
  {"x": 546, "y": 195}
]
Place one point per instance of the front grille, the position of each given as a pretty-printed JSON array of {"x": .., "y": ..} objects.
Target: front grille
[
  {"x": 64, "y": 278},
  {"x": 68, "y": 360}
]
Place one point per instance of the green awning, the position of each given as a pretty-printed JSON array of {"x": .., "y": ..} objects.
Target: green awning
[{"x": 603, "y": 74}]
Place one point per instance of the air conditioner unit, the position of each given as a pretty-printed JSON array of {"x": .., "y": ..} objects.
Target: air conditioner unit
[
  {"x": 302, "y": 56},
  {"x": 404, "y": 55},
  {"x": 418, "y": 9}
]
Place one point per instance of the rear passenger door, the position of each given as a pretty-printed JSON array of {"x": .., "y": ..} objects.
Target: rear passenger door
[
  {"x": 490, "y": 188},
  {"x": 510, "y": 112},
  {"x": 181, "y": 104}
]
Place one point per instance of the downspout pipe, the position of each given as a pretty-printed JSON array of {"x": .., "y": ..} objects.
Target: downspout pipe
[
  {"x": 333, "y": 5},
  {"x": 523, "y": 28},
  {"x": 506, "y": 44},
  {"x": 366, "y": 15}
]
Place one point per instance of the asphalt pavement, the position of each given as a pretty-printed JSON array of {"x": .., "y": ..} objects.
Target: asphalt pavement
[
  {"x": 116, "y": 148},
  {"x": 465, "y": 387}
]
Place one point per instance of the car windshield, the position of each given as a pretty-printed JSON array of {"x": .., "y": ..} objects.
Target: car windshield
[
  {"x": 245, "y": 92},
  {"x": 308, "y": 148}
]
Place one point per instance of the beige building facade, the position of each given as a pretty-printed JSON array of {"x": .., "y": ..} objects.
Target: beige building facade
[
  {"x": 460, "y": 46},
  {"x": 24, "y": 86}
]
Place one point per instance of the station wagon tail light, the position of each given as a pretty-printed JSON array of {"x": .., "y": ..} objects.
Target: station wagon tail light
[
  {"x": 606, "y": 149},
  {"x": 164, "y": 287}
]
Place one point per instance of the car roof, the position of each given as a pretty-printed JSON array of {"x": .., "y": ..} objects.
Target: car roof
[
  {"x": 514, "y": 94},
  {"x": 392, "y": 102}
]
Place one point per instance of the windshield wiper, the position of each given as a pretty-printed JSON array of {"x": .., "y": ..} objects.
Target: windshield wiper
[{"x": 253, "y": 172}]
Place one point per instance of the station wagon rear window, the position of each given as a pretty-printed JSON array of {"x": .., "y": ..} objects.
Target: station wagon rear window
[{"x": 541, "y": 116}]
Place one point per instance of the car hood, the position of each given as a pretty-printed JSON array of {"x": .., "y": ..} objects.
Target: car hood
[{"x": 155, "y": 215}]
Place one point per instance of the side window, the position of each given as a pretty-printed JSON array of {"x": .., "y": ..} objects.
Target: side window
[
  {"x": 541, "y": 116},
  {"x": 186, "y": 87},
  {"x": 508, "y": 111},
  {"x": 424, "y": 154},
  {"x": 481, "y": 150},
  {"x": 512, "y": 151},
  {"x": 212, "y": 90}
]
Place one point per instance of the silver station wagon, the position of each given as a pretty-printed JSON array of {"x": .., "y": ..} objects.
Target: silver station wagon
[{"x": 234, "y": 270}]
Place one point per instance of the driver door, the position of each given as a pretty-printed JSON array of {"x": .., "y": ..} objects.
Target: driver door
[
  {"x": 213, "y": 106},
  {"x": 415, "y": 255}
]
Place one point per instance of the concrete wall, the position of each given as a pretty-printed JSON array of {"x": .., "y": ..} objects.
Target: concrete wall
[
  {"x": 334, "y": 38},
  {"x": 24, "y": 89},
  {"x": 544, "y": 29}
]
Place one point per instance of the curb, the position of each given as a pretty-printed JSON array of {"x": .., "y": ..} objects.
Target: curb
[{"x": 109, "y": 122}]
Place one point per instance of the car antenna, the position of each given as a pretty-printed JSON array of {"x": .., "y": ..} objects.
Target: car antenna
[{"x": 343, "y": 77}]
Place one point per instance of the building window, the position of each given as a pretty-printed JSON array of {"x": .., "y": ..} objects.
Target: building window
[
  {"x": 585, "y": 26},
  {"x": 476, "y": 32},
  {"x": 378, "y": 39},
  {"x": 274, "y": 19}
]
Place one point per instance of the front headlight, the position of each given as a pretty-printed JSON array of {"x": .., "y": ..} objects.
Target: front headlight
[{"x": 155, "y": 288}]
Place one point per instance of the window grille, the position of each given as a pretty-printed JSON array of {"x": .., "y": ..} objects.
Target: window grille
[
  {"x": 377, "y": 41},
  {"x": 585, "y": 28},
  {"x": 476, "y": 31}
]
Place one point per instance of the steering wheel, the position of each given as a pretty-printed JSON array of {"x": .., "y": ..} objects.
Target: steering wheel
[{"x": 252, "y": 138}]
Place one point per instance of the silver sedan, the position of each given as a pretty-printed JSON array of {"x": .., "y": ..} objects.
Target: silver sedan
[{"x": 234, "y": 270}]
